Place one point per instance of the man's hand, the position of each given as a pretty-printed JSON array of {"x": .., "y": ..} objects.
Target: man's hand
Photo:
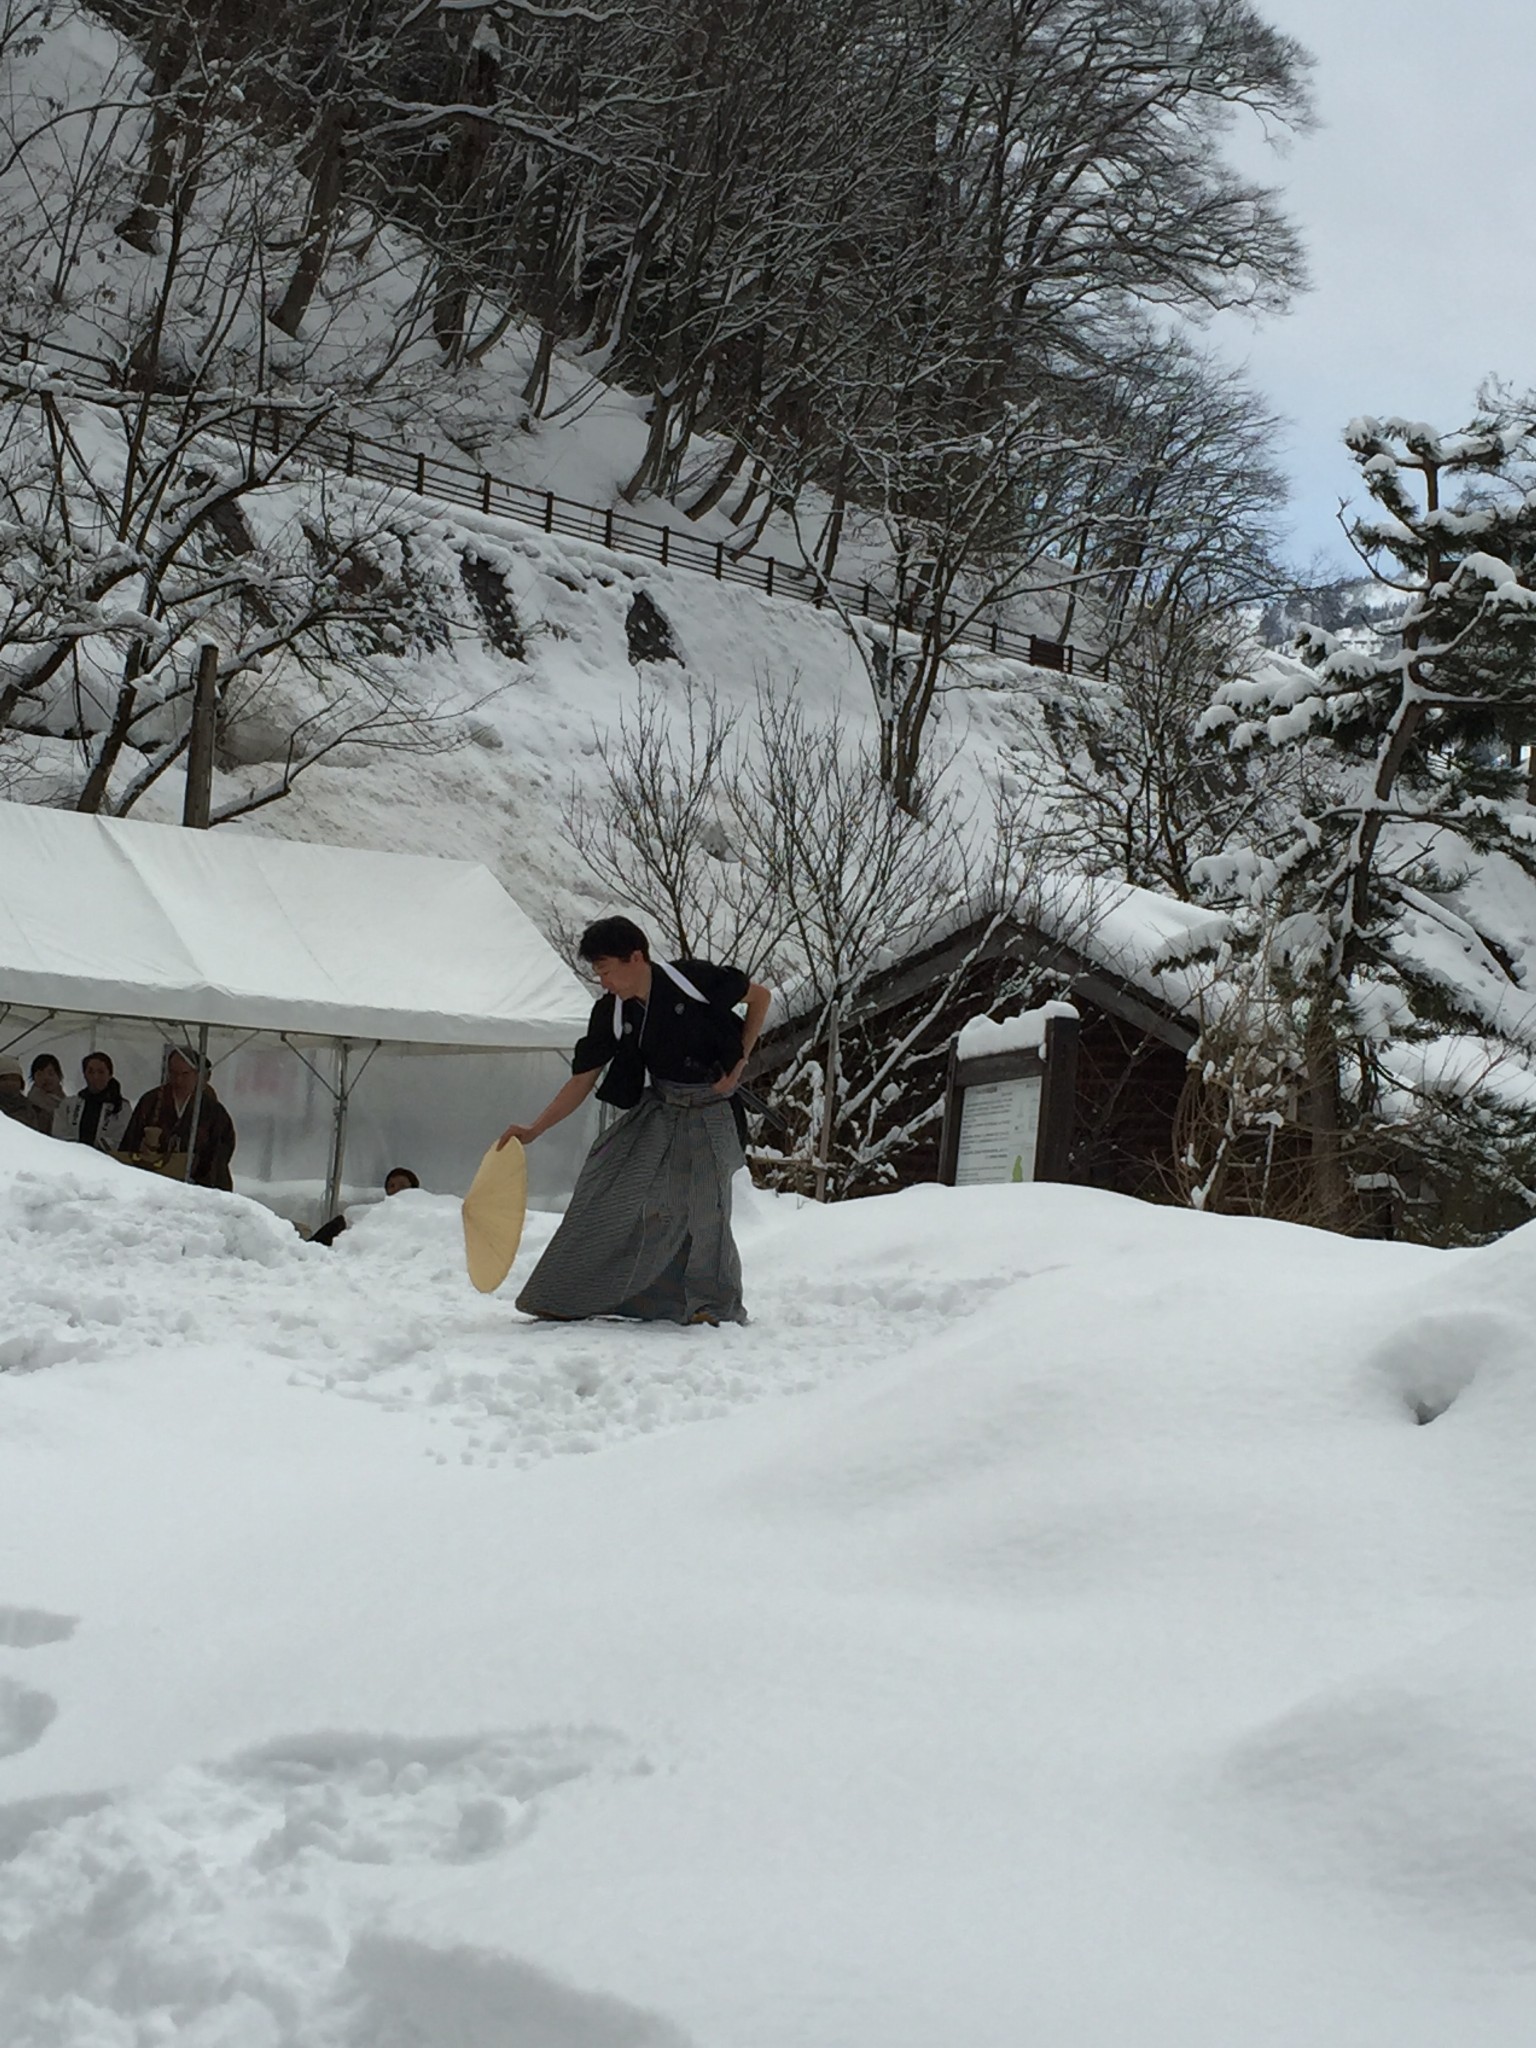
[
  {"x": 570, "y": 1097},
  {"x": 728, "y": 1083}
]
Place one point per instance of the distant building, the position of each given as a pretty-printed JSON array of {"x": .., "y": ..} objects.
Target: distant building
[{"x": 1133, "y": 1045}]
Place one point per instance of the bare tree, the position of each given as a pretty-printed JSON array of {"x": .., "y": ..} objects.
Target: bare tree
[
  {"x": 1126, "y": 784},
  {"x": 139, "y": 529},
  {"x": 779, "y": 843},
  {"x": 662, "y": 831}
]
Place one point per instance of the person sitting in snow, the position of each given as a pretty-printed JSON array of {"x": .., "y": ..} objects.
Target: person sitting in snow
[
  {"x": 99, "y": 1114},
  {"x": 396, "y": 1181},
  {"x": 46, "y": 1094},
  {"x": 648, "y": 1230},
  {"x": 13, "y": 1096},
  {"x": 160, "y": 1131}
]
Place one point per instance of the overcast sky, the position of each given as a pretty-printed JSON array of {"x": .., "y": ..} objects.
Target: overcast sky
[{"x": 1417, "y": 200}]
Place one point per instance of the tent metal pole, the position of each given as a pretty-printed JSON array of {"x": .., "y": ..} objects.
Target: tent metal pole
[
  {"x": 339, "y": 1140},
  {"x": 197, "y": 1098},
  {"x": 27, "y": 1030}
]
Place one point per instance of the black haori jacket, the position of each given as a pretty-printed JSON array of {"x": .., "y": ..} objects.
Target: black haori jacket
[{"x": 688, "y": 1031}]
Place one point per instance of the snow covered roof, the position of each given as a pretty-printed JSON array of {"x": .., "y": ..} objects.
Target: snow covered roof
[{"x": 103, "y": 916}]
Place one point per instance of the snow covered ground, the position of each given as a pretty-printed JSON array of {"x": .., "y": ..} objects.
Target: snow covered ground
[{"x": 1046, "y": 1624}]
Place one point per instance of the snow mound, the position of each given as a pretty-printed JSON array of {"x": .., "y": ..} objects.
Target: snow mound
[
  {"x": 1472, "y": 1328},
  {"x": 1418, "y": 1780},
  {"x": 93, "y": 1243}
]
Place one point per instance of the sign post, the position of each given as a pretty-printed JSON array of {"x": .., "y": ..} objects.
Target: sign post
[{"x": 1008, "y": 1113}]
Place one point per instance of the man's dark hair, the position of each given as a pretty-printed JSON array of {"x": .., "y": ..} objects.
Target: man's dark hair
[
  {"x": 43, "y": 1061},
  {"x": 613, "y": 938},
  {"x": 401, "y": 1173}
]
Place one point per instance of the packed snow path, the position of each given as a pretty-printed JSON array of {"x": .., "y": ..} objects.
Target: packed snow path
[
  {"x": 388, "y": 1316},
  {"x": 1063, "y": 1632}
]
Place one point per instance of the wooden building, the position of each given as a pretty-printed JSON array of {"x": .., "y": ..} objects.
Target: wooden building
[{"x": 1131, "y": 1063}]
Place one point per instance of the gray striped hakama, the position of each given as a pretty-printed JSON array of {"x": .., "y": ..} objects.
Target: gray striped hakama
[{"x": 648, "y": 1231}]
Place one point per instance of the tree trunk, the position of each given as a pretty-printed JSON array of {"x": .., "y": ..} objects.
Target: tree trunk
[
  {"x": 831, "y": 536},
  {"x": 139, "y": 228},
  {"x": 97, "y": 782},
  {"x": 724, "y": 477},
  {"x": 467, "y": 161},
  {"x": 750, "y": 490},
  {"x": 535, "y": 392},
  {"x": 325, "y": 193},
  {"x": 653, "y": 460},
  {"x": 450, "y": 312},
  {"x": 1330, "y": 1181}
]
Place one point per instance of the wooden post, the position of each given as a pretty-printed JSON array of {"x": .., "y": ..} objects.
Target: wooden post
[
  {"x": 666, "y": 542},
  {"x": 768, "y": 579},
  {"x": 719, "y": 559},
  {"x": 1058, "y": 1102},
  {"x": 828, "y": 1099},
  {"x": 949, "y": 1137},
  {"x": 197, "y": 805},
  {"x": 549, "y": 511}
]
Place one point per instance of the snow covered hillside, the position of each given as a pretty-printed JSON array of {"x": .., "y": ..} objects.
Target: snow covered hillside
[
  {"x": 1048, "y": 1622},
  {"x": 526, "y": 657},
  {"x": 529, "y": 727}
]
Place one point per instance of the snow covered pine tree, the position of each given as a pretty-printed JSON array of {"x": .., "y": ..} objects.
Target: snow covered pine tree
[{"x": 1395, "y": 906}]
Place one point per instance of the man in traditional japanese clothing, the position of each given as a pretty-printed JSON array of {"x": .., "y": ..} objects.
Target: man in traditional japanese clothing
[
  {"x": 167, "y": 1120},
  {"x": 648, "y": 1230}
]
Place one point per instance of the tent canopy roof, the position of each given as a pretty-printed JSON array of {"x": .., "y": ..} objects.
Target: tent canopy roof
[{"x": 105, "y": 917}]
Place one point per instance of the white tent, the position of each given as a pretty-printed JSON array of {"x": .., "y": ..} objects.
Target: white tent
[
  {"x": 119, "y": 919},
  {"x": 327, "y": 947}
]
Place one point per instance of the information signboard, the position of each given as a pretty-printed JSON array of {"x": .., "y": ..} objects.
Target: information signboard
[
  {"x": 999, "y": 1131},
  {"x": 1009, "y": 1115}
]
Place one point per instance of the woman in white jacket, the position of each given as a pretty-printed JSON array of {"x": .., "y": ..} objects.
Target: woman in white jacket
[{"x": 99, "y": 1114}]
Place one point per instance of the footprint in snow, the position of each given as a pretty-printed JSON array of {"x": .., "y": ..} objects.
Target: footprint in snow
[
  {"x": 233, "y": 1892},
  {"x": 26, "y": 1628},
  {"x": 24, "y": 1716},
  {"x": 391, "y": 1798},
  {"x": 410, "y": 1995}
]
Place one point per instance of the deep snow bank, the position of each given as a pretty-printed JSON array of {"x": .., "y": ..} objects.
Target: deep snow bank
[{"x": 1095, "y": 1652}]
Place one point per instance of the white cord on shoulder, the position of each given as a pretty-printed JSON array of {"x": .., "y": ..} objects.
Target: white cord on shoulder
[{"x": 672, "y": 974}]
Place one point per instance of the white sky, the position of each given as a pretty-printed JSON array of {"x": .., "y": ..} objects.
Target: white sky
[{"x": 1415, "y": 200}]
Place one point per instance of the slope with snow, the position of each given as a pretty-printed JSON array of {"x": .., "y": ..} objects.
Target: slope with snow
[{"x": 1048, "y": 1621}]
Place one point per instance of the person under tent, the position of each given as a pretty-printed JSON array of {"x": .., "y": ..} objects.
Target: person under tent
[
  {"x": 160, "y": 1131},
  {"x": 98, "y": 1115},
  {"x": 13, "y": 1097},
  {"x": 46, "y": 1094}
]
